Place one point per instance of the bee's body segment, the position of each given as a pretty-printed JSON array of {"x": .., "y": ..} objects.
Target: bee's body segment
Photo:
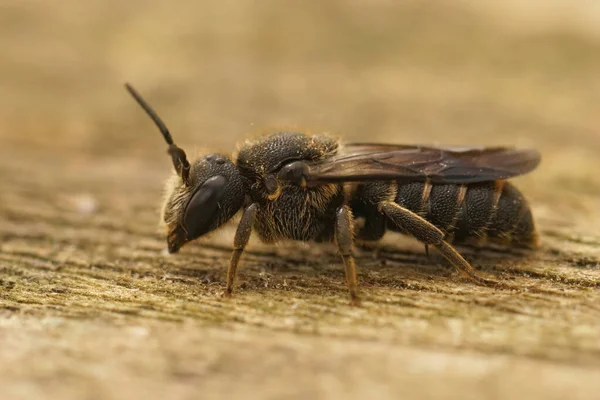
[
  {"x": 289, "y": 212},
  {"x": 496, "y": 211},
  {"x": 295, "y": 186}
]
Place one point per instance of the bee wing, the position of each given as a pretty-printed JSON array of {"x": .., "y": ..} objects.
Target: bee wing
[{"x": 369, "y": 162}]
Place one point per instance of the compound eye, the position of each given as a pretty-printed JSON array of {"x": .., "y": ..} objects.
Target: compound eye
[{"x": 200, "y": 212}]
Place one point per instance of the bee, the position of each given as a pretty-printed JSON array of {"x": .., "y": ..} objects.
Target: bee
[{"x": 305, "y": 187}]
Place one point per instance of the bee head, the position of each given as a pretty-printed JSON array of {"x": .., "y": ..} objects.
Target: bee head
[{"x": 201, "y": 196}]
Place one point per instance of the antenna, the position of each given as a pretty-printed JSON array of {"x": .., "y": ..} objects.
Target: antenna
[{"x": 180, "y": 162}]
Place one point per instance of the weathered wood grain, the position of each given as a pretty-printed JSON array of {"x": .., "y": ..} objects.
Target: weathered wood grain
[{"x": 92, "y": 307}]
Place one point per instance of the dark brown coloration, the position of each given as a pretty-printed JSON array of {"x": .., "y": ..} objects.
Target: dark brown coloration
[
  {"x": 426, "y": 233},
  {"x": 371, "y": 162},
  {"x": 294, "y": 186},
  {"x": 180, "y": 162},
  {"x": 344, "y": 237},
  {"x": 496, "y": 211},
  {"x": 242, "y": 235},
  {"x": 133, "y": 323}
]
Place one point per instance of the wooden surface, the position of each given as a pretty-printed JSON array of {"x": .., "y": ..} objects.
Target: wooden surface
[{"x": 91, "y": 307}]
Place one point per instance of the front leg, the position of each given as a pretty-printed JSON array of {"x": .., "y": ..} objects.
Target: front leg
[
  {"x": 242, "y": 235},
  {"x": 344, "y": 238}
]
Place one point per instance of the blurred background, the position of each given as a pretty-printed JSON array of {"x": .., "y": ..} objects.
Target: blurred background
[
  {"x": 443, "y": 71},
  {"x": 403, "y": 71},
  {"x": 85, "y": 296}
]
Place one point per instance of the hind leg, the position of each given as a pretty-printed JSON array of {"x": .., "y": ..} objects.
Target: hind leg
[{"x": 428, "y": 234}]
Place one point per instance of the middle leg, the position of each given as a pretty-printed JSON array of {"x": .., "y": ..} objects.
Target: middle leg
[{"x": 344, "y": 238}]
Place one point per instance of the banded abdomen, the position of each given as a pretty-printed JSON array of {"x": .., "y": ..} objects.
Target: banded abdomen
[{"x": 475, "y": 212}]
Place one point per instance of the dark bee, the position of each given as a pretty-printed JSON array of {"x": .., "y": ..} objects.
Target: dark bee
[{"x": 293, "y": 186}]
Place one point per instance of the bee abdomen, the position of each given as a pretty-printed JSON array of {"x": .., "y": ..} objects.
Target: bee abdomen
[
  {"x": 444, "y": 205},
  {"x": 495, "y": 210},
  {"x": 477, "y": 211},
  {"x": 440, "y": 204},
  {"x": 513, "y": 221}
]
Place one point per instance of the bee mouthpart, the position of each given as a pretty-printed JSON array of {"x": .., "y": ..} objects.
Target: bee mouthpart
[{"x": 176, "y": 239}]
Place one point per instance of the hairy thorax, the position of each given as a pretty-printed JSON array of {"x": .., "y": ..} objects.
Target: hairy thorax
[
  {"x": 305, "y": 214},
  {"x": 287, "y": 211}
]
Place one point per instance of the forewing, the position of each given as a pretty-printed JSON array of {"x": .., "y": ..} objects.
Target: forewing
[{"x": 368, "y": 162}]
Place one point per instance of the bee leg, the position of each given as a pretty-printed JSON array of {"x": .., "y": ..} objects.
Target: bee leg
[
  {"x": 242, "y": 235},
  {"x": 429, "y": 234},
  {"x": 344, "y": 238},
  {"x": 427, "y": 251}
]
